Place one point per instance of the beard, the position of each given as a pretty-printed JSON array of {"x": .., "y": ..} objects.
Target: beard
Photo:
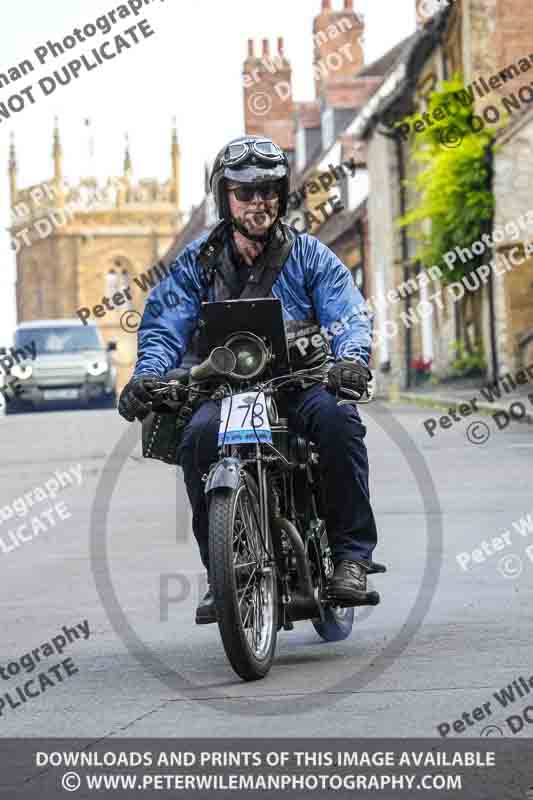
[{"x": 259, "y": 221}]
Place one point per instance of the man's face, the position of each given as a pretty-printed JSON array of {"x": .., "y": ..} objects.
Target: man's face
[{"x": 258, "y": 207}]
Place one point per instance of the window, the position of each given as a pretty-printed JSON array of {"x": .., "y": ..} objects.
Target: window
[
  {"x": 60, "y": 339},
  {"x": 125, "y": 284},
  {"x": 328, "y": 127},
  {"x": 344, "y": 191},
  {"x": 301, "y": 155},
  {"x": 118, "y": 279},
  {"x": 111, "y": 282}
]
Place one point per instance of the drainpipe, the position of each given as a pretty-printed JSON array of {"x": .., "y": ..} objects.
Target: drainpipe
[
  {"x": 405, "y": 257},
  {"x": 362, "y": 248},
  {"x": 456, "y": 315},
  {"x": 489, "y": 226}
]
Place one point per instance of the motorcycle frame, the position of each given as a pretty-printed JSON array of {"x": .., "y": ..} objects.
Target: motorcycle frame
[{"x": 304, "y": 602}]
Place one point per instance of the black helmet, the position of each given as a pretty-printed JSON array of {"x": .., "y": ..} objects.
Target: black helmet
[{"x": 249, "y": 159}]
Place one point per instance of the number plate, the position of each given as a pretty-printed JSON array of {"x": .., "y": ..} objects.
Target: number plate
[
  {"x": 244, "y": 419},
  {"x": 61, "y": 394}
]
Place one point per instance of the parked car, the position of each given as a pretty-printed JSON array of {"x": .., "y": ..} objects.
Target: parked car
[{"x": 72, "y": 366}]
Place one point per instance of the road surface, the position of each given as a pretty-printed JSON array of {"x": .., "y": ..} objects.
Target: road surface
[{"x": 454, "y": 625}]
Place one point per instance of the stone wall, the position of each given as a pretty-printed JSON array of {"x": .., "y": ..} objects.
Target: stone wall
[
  {"x": 383, "y": 257},
  {"x": 67, "y": 270},
  {"x": 513, "y": 179}
]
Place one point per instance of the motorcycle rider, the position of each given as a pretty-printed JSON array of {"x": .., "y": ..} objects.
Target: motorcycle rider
[{"x": 250, "y": 181}]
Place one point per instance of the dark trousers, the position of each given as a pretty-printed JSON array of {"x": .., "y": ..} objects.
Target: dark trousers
[{"x": 338, "y": 432}]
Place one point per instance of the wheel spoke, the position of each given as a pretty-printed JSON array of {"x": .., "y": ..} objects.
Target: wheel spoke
[
  {"x": 247, "y": 585},
  {"x": 252, "y": 535},
  {"x": 239, "y": 540},
  {"x": 254, "y": 584},
  {"x": 247, "y": 614}
]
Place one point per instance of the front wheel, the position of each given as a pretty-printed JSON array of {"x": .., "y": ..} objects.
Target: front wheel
[{"x": 243, "y": 580}]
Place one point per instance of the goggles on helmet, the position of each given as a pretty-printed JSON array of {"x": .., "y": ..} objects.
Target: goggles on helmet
[{"x": 264, "y": 150}]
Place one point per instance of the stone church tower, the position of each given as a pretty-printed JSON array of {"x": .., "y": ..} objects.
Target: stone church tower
[{"x": 76, "y": 244}]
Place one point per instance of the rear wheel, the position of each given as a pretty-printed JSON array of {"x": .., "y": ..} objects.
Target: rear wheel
[
  {"x": 337, "y": 622},
  {"x": 243, "y": 580}
]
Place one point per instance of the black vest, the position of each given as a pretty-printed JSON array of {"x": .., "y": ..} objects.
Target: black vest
[{"x": 215, "y": 257}]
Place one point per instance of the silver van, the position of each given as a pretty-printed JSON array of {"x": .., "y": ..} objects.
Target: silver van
[{"x": 71, "y": 366}]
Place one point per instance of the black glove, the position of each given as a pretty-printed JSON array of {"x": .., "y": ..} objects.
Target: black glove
[
  {"x": 352, "y": 376},
  {"x": 136, "y": 396}
]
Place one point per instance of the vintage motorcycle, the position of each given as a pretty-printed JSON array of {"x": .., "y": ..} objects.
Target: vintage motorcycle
[{"x": 269, "y": 555}]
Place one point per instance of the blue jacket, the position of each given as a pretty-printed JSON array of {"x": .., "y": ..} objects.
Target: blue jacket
[{"x": 313, "y": 285}]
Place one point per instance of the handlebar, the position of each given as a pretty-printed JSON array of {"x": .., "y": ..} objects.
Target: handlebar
[{"x": 222, "y": 362}]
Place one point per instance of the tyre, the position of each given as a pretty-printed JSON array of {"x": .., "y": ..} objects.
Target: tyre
[{"x": 243, "y": 580}]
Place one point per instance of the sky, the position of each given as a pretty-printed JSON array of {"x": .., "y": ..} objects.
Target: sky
[{"x": 191, "y": 69}]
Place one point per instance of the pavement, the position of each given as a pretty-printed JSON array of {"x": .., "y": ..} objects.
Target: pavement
[
  {"x": 453, "y": 627},
  {"x": 453, "y": 394}
]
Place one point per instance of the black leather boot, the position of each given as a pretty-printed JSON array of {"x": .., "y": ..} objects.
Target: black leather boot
[
  {"x": 206, "y": 611},
  {"x": 348, "y": 583}
]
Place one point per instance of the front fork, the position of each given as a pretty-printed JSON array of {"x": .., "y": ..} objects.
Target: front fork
[
  {"x": 227, "y": 474},
  {"x": 262, "y": 484}
]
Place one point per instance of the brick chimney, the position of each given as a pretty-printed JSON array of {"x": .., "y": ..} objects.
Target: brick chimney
[
  {"x": 338, "y": 52},
  {"x": 267, "y": 83},
  {"x": 497, "y": 46}
]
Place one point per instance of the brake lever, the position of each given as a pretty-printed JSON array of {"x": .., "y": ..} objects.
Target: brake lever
[
  {"x": 355, "y": 400},
  {"x": 175, "y": 393}
]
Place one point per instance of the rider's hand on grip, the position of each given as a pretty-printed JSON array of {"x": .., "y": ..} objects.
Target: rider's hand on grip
[
  {"x": 136, "y": 397},
  {"x": 351, "y": 379}
]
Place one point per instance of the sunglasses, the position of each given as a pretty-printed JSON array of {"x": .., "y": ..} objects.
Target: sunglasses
[{"x": 244, "y": 194}]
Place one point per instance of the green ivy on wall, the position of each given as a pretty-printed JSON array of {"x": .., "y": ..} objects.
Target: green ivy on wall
[{"x": 453, "y": 185}]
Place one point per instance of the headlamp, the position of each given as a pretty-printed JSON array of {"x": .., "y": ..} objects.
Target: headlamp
[
  {"x": 22, "y": 371},
  {"x": 96, "y": 368},
  {"x": 251, "y": 355}
]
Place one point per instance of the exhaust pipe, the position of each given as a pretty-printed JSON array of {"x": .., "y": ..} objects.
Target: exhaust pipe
[{"x": 302, "y": 564}]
